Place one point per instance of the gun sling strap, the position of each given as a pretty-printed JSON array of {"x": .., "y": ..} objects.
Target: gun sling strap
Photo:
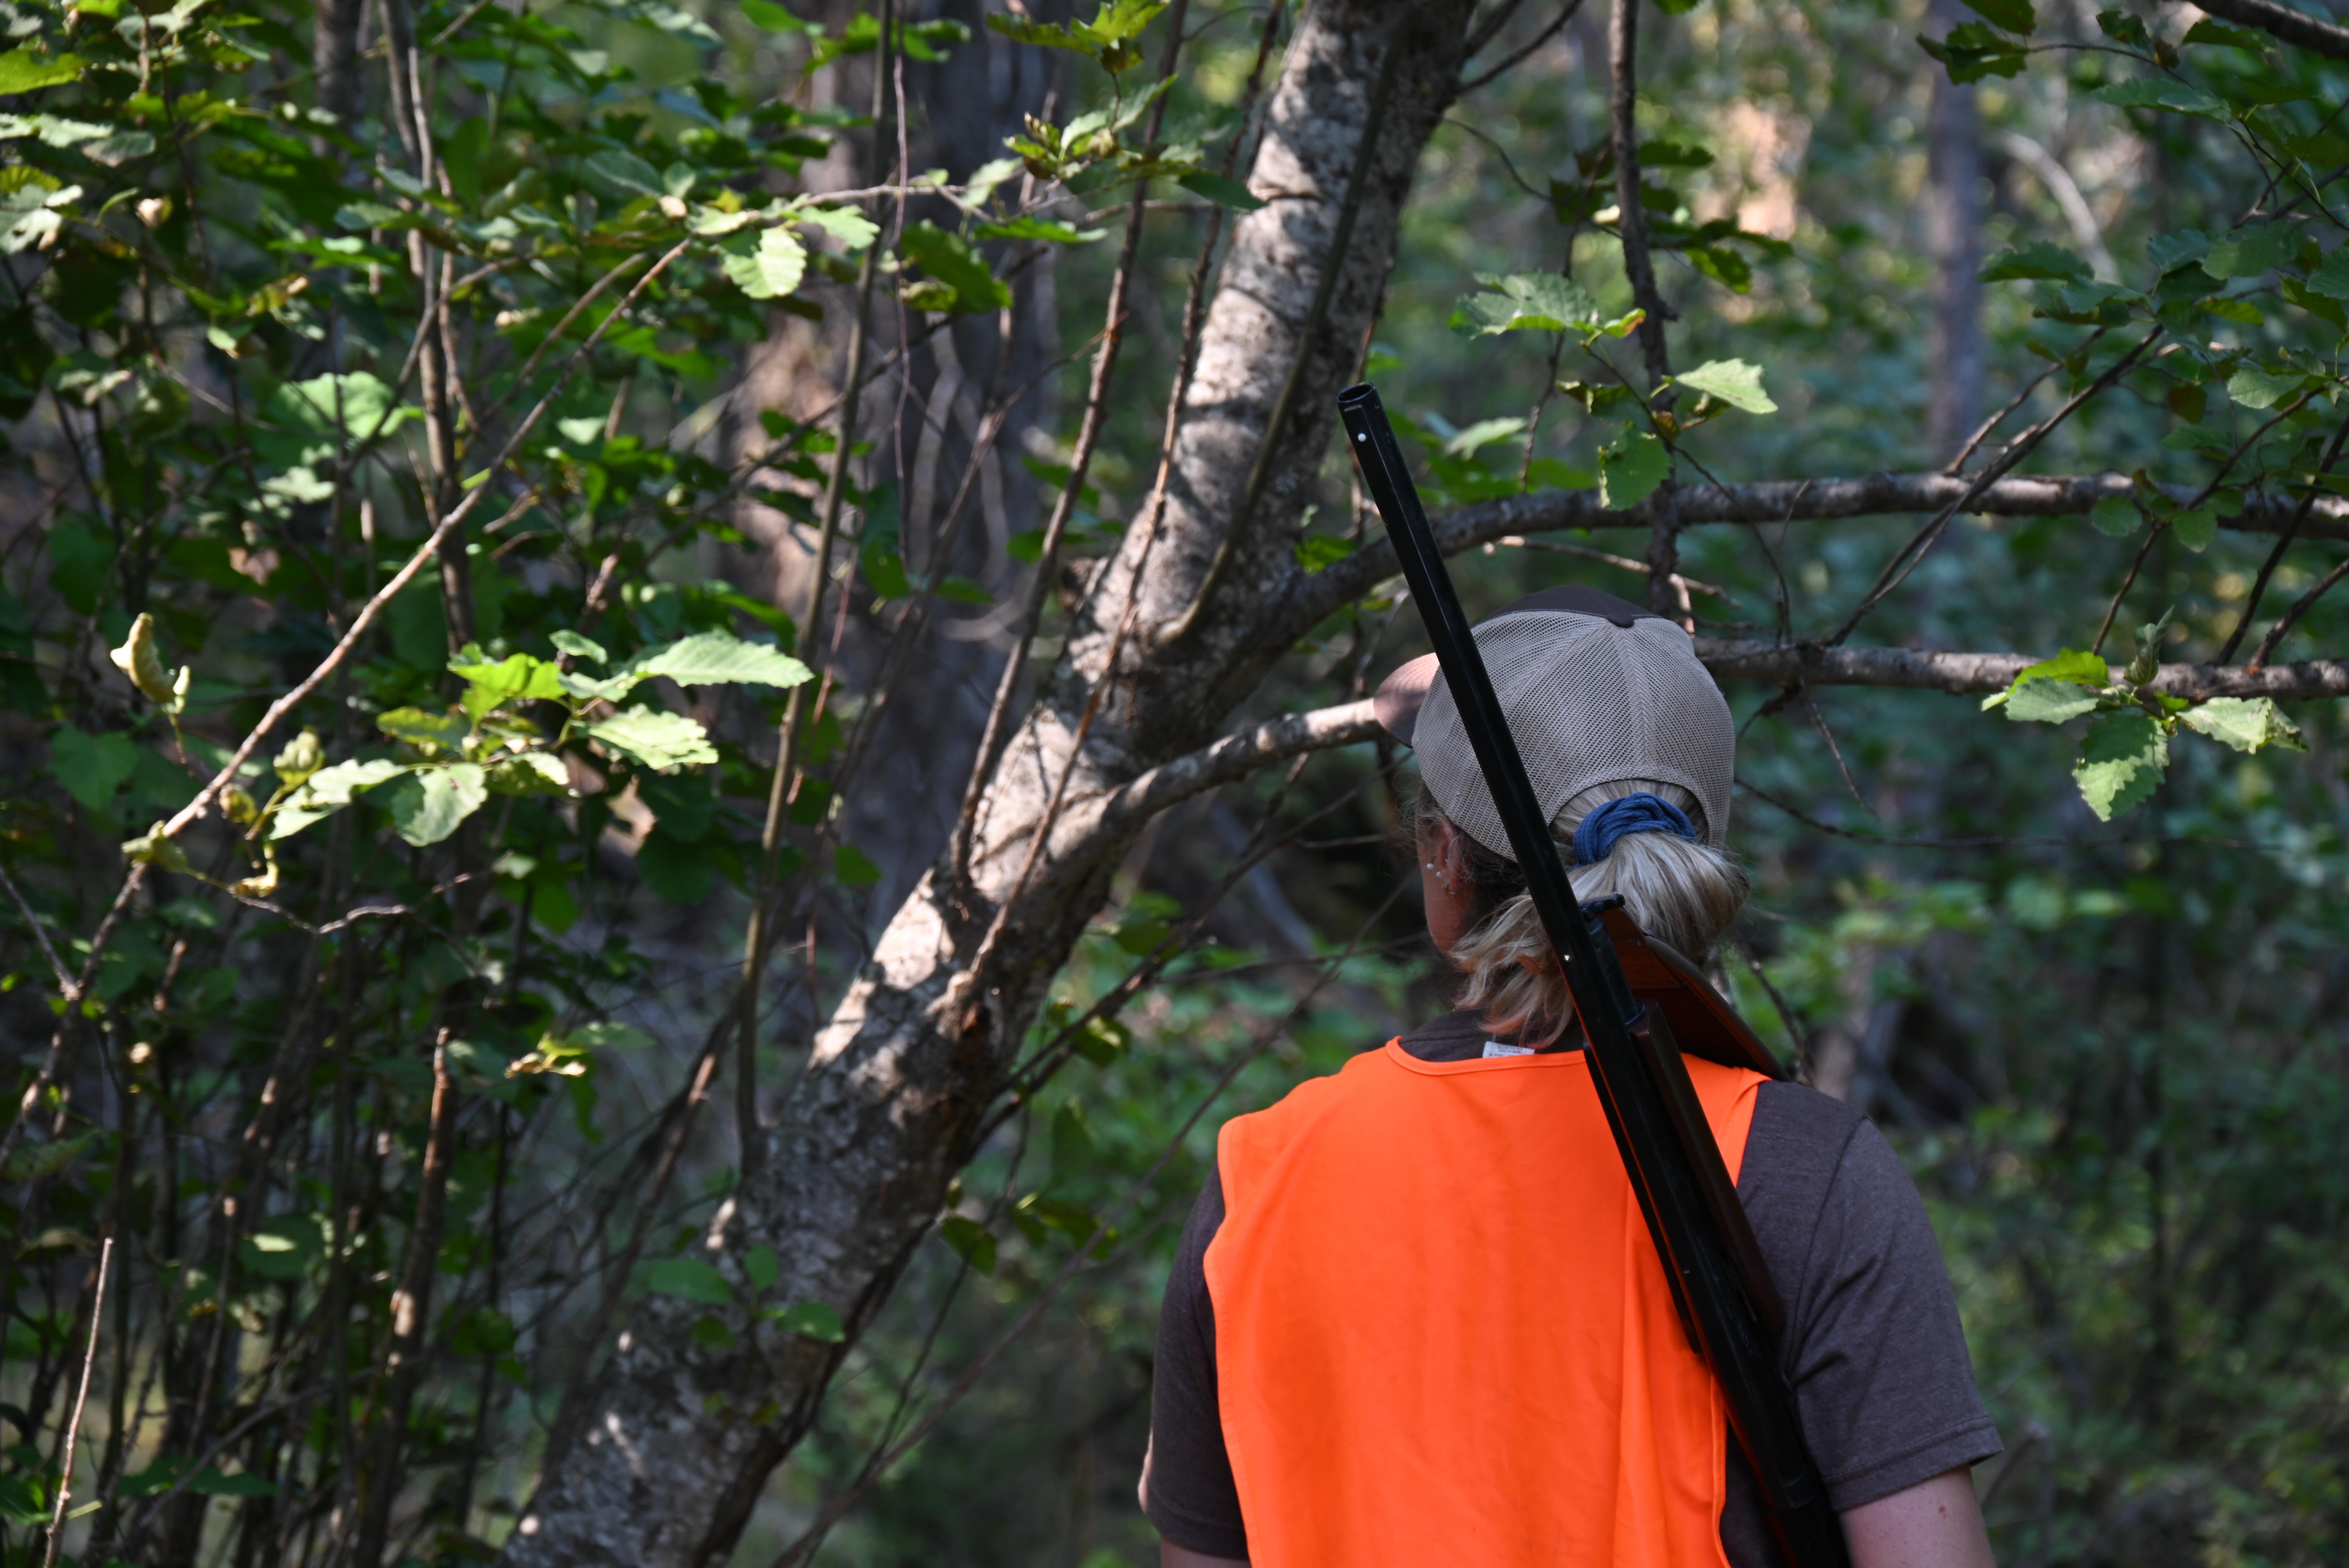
[{"x": 1723, "y": 1293}]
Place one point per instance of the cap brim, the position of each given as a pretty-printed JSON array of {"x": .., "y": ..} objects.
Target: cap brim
[{"x": 1400, "y": 696}]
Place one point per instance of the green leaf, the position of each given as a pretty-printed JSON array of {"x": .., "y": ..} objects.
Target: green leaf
[
  {"x": 1317, "y": 551},
  {"x": 972, "y": 1240},
  {"x": 1733, "y": 381},
  {"x": 2195, "y": 528},
  {"x": 1973, "y": 51},
  {"x": 2014, "y": 15},
  {"x": 2121, "y": 762},
  {"x": 23, "y": 71},
  {"x": 2256, "y": 388},
  {"x": 852, "y": 228},
  {"x": 768, "y": 16},
  {"x": 2153, "y": 92},
  {"x": 2075, "y": 664},
  {"x": 676, "y": 867},
  {"x": 1223, "y": 192},
  {"x": 2245, "y": 723},
  {"x": 429, "y": 803},
  {"x": 953, "y": 261},
  {"x": 442, "y": 731},
  {"x": 2206, "y": 31},
  {"x": 1482, "y": 433},
  {"x": 533, "y": 773},
  {"x": 2330, "y": 277},
  {"x": 1630, "y": 467},
  {"x": 2168, "y": 252},
  {"x": 492, "y": 684},
  {"x": 812, "y": 1319},
  {"x": 579, "y": 647},
  {"x": 2040, "y": 700},
  {"x": 1072, "y": 1144},
  {"x": 2123, "y": 28},
  {"x": 691, "y": 1279},
  {"x": 92, "y": 767},
  {"x": 1100, "y": 1040},
  {"x": 2253, "y": 253},
  {"x": 722, "y": 658},
  {"x": 329, "y": 790},
  {"x": 761, "y": 1267},
  {"x": 1049, "y": 229},
  {"x": 853, "y": 867},
  {"x": 2116, "y": 515},
  {"x": 1523, "y": 302},
  {"x": 655, "y": 740},
  {"x": 2042, "y": 260},
  {"x": 766, "y": 264},
  {"x": 621, "y": 173}
]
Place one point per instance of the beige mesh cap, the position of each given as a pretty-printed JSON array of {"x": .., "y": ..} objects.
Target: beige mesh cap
[{"x": 1596, "y": 690}]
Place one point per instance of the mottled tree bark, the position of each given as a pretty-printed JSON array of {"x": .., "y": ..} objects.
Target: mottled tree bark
[{"x": 679, "y": 1436}]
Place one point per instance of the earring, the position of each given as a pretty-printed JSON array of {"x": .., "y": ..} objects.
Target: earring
[{"x": 1431, "y": 865}]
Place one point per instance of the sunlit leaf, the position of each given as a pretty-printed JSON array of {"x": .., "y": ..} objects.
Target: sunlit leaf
[
  {"x": 431, "y": 803},
  {"x": 765, "y": 265},
  {"x": 329, "y": 790},
  {"x": 1734, "y": 381},
  {"x": 2244, "y": 723},
  {"x": 717, "y": 658},
  {"x": 655, "y": 740},
  {"x": 2121, "y": 762}
]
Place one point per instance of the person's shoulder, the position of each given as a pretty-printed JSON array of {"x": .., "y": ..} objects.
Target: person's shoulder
[
  {"x": 1798, "y": 1140},
  {"x": 1799, "y": 1113}
]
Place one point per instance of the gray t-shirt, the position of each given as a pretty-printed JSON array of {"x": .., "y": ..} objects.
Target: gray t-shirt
[{"x": 1873, "y": 1347}]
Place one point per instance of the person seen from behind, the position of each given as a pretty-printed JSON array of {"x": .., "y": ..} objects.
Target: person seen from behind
[{"x": 1416, "y": 1318}]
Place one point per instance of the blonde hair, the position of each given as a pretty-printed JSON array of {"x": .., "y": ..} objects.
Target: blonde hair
[{"x": 1683, "y": 892}]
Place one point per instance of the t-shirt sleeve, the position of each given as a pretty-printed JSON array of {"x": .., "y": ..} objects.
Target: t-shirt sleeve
[
  {"x": 1191, "y": 1500},
  {"x": 1874, "y": 1348}
]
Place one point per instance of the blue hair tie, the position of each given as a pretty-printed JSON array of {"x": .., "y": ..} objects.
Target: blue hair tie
[{"x": 1595, "y": 835}]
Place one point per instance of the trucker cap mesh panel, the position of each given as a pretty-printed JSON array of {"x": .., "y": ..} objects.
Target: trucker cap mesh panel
[{"x": 1589, "y": 702}]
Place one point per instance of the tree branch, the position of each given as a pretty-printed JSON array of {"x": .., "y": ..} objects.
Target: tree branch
[
  {"x": 2292, "y": 27},
  {"x": 1234, "y": 756},
  {"x": 1924, "y": 670},
  {"x": 1769, "y": 502}
]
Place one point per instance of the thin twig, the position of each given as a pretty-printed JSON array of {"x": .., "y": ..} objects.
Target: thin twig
[
  {"x": 1904, "y": 560},
  {"x": 66, "y": 987},
  {"x": 2283, "y": 543},
  {"x": 81, "y": 1398},
  {"x": 1958, "y": 463},
  {"x": 2291, "y": 616},
  {"x": 1565, "y": 14}
]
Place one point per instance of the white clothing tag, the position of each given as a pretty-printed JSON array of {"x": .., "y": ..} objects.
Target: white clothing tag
[{"x": 1496, "y": 1048}]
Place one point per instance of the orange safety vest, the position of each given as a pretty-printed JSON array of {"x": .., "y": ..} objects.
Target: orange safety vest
[{"x": 1443, "y": 1335}]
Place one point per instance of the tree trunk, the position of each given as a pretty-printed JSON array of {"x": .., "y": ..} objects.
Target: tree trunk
[
  {"x": 1953, "y": 239},
  {"x": 678, "y": 1438}
]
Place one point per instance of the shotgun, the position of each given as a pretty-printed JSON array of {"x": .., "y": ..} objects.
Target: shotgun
[{"x": 1725, "y": 1294}]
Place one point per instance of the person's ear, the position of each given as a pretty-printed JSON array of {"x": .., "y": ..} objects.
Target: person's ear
[{"x": 1452, "y": 855}]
